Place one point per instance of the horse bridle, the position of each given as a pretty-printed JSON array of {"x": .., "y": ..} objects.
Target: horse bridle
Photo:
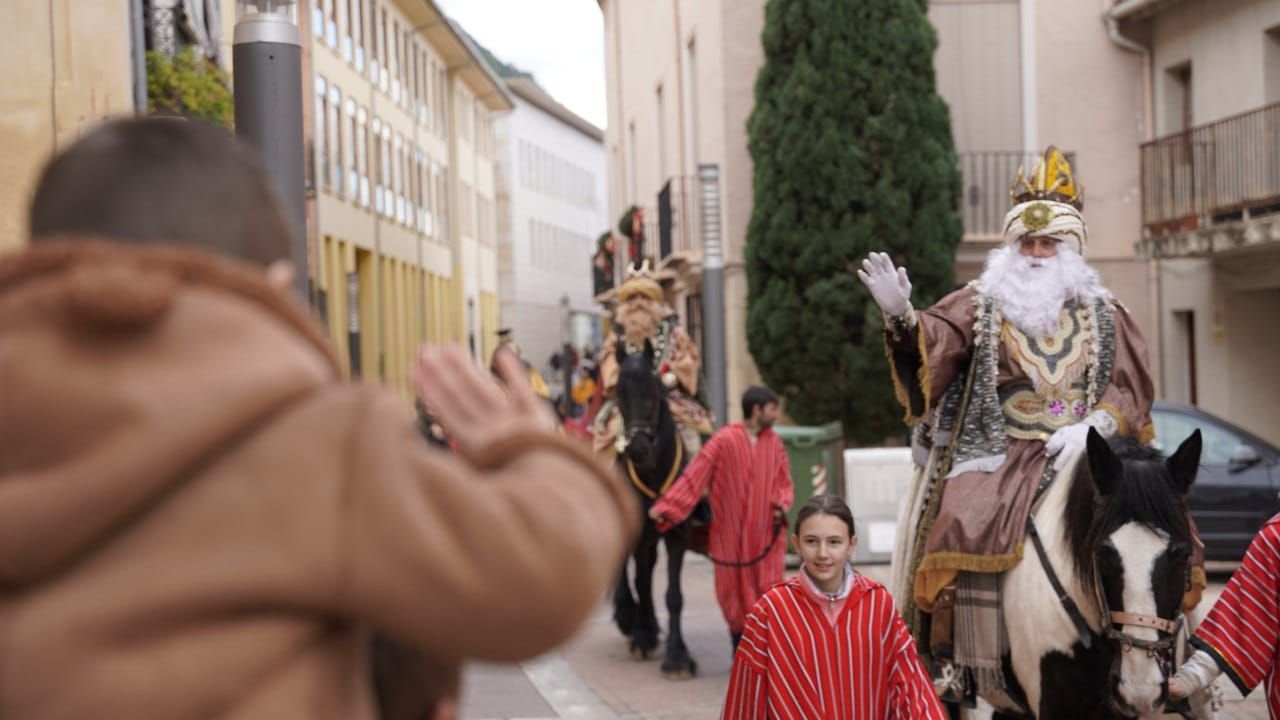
[
  {"x": 649, "y": 426},
  {"x": 1163, "y": 648}
]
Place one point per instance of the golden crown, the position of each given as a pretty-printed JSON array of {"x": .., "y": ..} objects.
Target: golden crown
[
  {"x": 1052, "y": 179},
  {"x": 640, "y": 282}
]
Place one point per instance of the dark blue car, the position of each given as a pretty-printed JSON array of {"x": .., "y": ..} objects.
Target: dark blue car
[{"x": 1238, "y": 487}]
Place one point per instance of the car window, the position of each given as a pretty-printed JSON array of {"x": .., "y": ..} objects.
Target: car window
[{"x": 1174, "y": 427}]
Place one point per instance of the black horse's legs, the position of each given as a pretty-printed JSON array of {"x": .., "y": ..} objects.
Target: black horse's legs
[
  {"x": 645, "y": 638},
  {"x": 677, "y": 665},
  {"x": 624, "y": 604}
]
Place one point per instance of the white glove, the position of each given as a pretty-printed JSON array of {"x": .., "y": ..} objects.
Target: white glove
[
  {"x": 889, "y": 286},
  {"x": 1065, "y": 442}
]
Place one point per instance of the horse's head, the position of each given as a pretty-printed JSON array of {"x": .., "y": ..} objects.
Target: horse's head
[
  {"x": 1131, "y": 541},
  {"x": 640, "y": 398}
]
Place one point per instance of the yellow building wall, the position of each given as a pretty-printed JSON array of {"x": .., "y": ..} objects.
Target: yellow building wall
[
  {"x": 490, "y": 309},
  {"x": 400, "y": 306},
  {"x": 67, "y": 65}
]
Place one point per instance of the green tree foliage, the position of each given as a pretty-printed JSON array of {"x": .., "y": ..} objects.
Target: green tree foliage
[
  {"x": 853, "y": 153},
  {"x": 189, "y": 84}
]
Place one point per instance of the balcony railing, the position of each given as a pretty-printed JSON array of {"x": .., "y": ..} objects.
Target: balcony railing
[
  {"x": 987, "y": 179},
  {"x": 677, "y": 216},
  {"x": 1211, "y": 174}
]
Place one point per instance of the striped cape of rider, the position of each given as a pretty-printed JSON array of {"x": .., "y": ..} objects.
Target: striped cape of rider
[
  {"x": 748, "y": 479},
  {"x": 793, "y": 663},
  {"x": 1242, "y": 631}
]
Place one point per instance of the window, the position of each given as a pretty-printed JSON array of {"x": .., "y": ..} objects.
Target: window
[
  {"x": 662, "y": 139},
  {"x": 691, "y": 107},
  {"x": 631, "y": 163},
  {"x": 372, "y": 31},
  {"x": 362, "y": 154},
  {"x": 388, "y": 203},
  {"x": 388, "y": 56},
  {"x": 333, "y": 123},
  {"x": 1271, "y": 65},
  {"x": 350, "y": 141},
  {"x": 378, "y": 164},
  {"x": 1179, "y": 113},
  {"x": 331, "y": 27},
  {"x": 355, "y": 19},
  {"x": 393, "y": 60},
  {"x": 322, "y": 137},
  {"x": 1172, "y": 428}
]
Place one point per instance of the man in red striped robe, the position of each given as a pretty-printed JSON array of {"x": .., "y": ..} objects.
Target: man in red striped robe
[
  {"x": 749, "y": 476},
  {"x": 1241, "y": 634},
  {"x": 794, "y": 663}
]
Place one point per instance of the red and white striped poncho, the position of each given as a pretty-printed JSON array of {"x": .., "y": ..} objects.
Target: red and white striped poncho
[
  {"x": 792, "y": 664},
  {"x": 1242, "y": 631},
  {"x": 747, "y": 481}
]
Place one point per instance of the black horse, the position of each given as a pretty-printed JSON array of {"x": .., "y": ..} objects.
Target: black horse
[{"x": 652, "y": 460}]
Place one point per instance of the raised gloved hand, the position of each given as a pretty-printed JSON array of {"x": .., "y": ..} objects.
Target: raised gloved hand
[
  {"x": 889, "y": 286},
  {"x": 1065, "y": 442}
]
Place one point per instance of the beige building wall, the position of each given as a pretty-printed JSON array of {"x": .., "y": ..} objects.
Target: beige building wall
[
  {"x": 67, "y": 66},
  {"x": 681, "y": 80},
  {"x": 1212, "y": 60}
]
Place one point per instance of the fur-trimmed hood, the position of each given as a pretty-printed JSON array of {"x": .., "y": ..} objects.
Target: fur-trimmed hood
[{"x": 114, "y": 384}]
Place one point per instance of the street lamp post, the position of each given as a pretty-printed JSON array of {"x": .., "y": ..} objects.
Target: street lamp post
[
  {"x": 566, "y": 355},
  {"x": 267, "y": 70}
]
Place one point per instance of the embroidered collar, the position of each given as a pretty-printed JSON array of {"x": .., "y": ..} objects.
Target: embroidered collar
[{"x": 846, "y": 586}]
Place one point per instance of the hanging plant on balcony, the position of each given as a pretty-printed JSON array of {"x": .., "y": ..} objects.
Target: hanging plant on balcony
[
  {"x": 626, "y": 222},
  {"x": 852, "y": 153},
  {"x": 189, "y": 84}
]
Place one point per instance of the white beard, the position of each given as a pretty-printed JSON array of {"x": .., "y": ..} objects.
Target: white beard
[{"x": 1032, "y": 291}]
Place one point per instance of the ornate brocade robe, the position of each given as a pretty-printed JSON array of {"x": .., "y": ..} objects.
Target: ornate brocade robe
[{"x": 988, "y": 441}]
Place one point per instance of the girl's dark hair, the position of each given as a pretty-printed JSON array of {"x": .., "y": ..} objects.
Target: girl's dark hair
[{"x": 826, "y": 505}]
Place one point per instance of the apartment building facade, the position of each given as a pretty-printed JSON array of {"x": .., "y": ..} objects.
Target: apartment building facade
[
  {"x": 551, "y": 209},
  {"x": 403, "y": 175},
  {"x": 1018, "y": 75},
  {"x": 1210, "y": 220}
]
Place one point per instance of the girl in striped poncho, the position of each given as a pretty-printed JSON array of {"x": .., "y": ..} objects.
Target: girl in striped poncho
[{"x": 828, "y": 644}]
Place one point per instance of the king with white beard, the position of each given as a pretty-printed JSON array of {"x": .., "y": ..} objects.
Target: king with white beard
[{"x": 1002, "y": 381}]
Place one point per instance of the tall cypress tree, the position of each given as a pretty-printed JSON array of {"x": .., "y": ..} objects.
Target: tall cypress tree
[{"x": 853, "y": 153}]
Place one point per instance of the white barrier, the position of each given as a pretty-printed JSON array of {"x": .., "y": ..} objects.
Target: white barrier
[{"x": 875, "y": 481}]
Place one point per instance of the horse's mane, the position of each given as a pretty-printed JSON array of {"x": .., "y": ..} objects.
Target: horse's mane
[{"x": 1145, "y": 494}]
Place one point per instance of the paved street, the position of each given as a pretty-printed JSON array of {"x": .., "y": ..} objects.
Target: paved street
[{"x": 593, "y": 678}]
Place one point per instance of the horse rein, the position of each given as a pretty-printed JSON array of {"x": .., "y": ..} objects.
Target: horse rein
[
  {"x": 1163, "y": 649},
  {"x": 666, "y": 484}
]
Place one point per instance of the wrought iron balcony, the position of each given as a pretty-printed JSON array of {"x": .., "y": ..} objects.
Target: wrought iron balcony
[{"x": 1211, "y": 177}]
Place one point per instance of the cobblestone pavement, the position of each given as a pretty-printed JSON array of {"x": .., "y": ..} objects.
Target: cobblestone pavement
[{"x": 594, "y": 678}]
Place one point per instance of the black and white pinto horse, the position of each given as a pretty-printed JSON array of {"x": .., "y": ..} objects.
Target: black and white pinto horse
[
  {"x": 652, "y": 460},
  {"x": 1118, "y": 540}
]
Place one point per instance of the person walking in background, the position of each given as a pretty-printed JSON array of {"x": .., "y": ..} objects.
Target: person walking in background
[
  {"x": 828, "y": 643},
  {"x": 199, "y": 518},
  {"x": 745, "y": 467}
]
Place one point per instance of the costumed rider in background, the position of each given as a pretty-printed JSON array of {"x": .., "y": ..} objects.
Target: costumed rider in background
[
  {"x": 643, "y": 314},
  {"x": 1002, "y": 381},
  {"x": 507, "y": 342}
]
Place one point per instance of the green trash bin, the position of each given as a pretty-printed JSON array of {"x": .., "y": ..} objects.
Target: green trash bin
[{"x": 817, "y": 462}]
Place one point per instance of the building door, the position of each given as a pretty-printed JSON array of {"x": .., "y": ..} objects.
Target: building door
[{"x": 1184, "y": 380}]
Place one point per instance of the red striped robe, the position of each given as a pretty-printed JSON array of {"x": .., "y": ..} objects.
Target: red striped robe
[
  {"x": 793, "y": 665},
  {"x": 746, "y": 484},
  {"x": 1242, "y": 631}
]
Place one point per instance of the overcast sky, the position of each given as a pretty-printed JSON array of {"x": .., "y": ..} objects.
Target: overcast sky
[{"x": 560, "y": 41}]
